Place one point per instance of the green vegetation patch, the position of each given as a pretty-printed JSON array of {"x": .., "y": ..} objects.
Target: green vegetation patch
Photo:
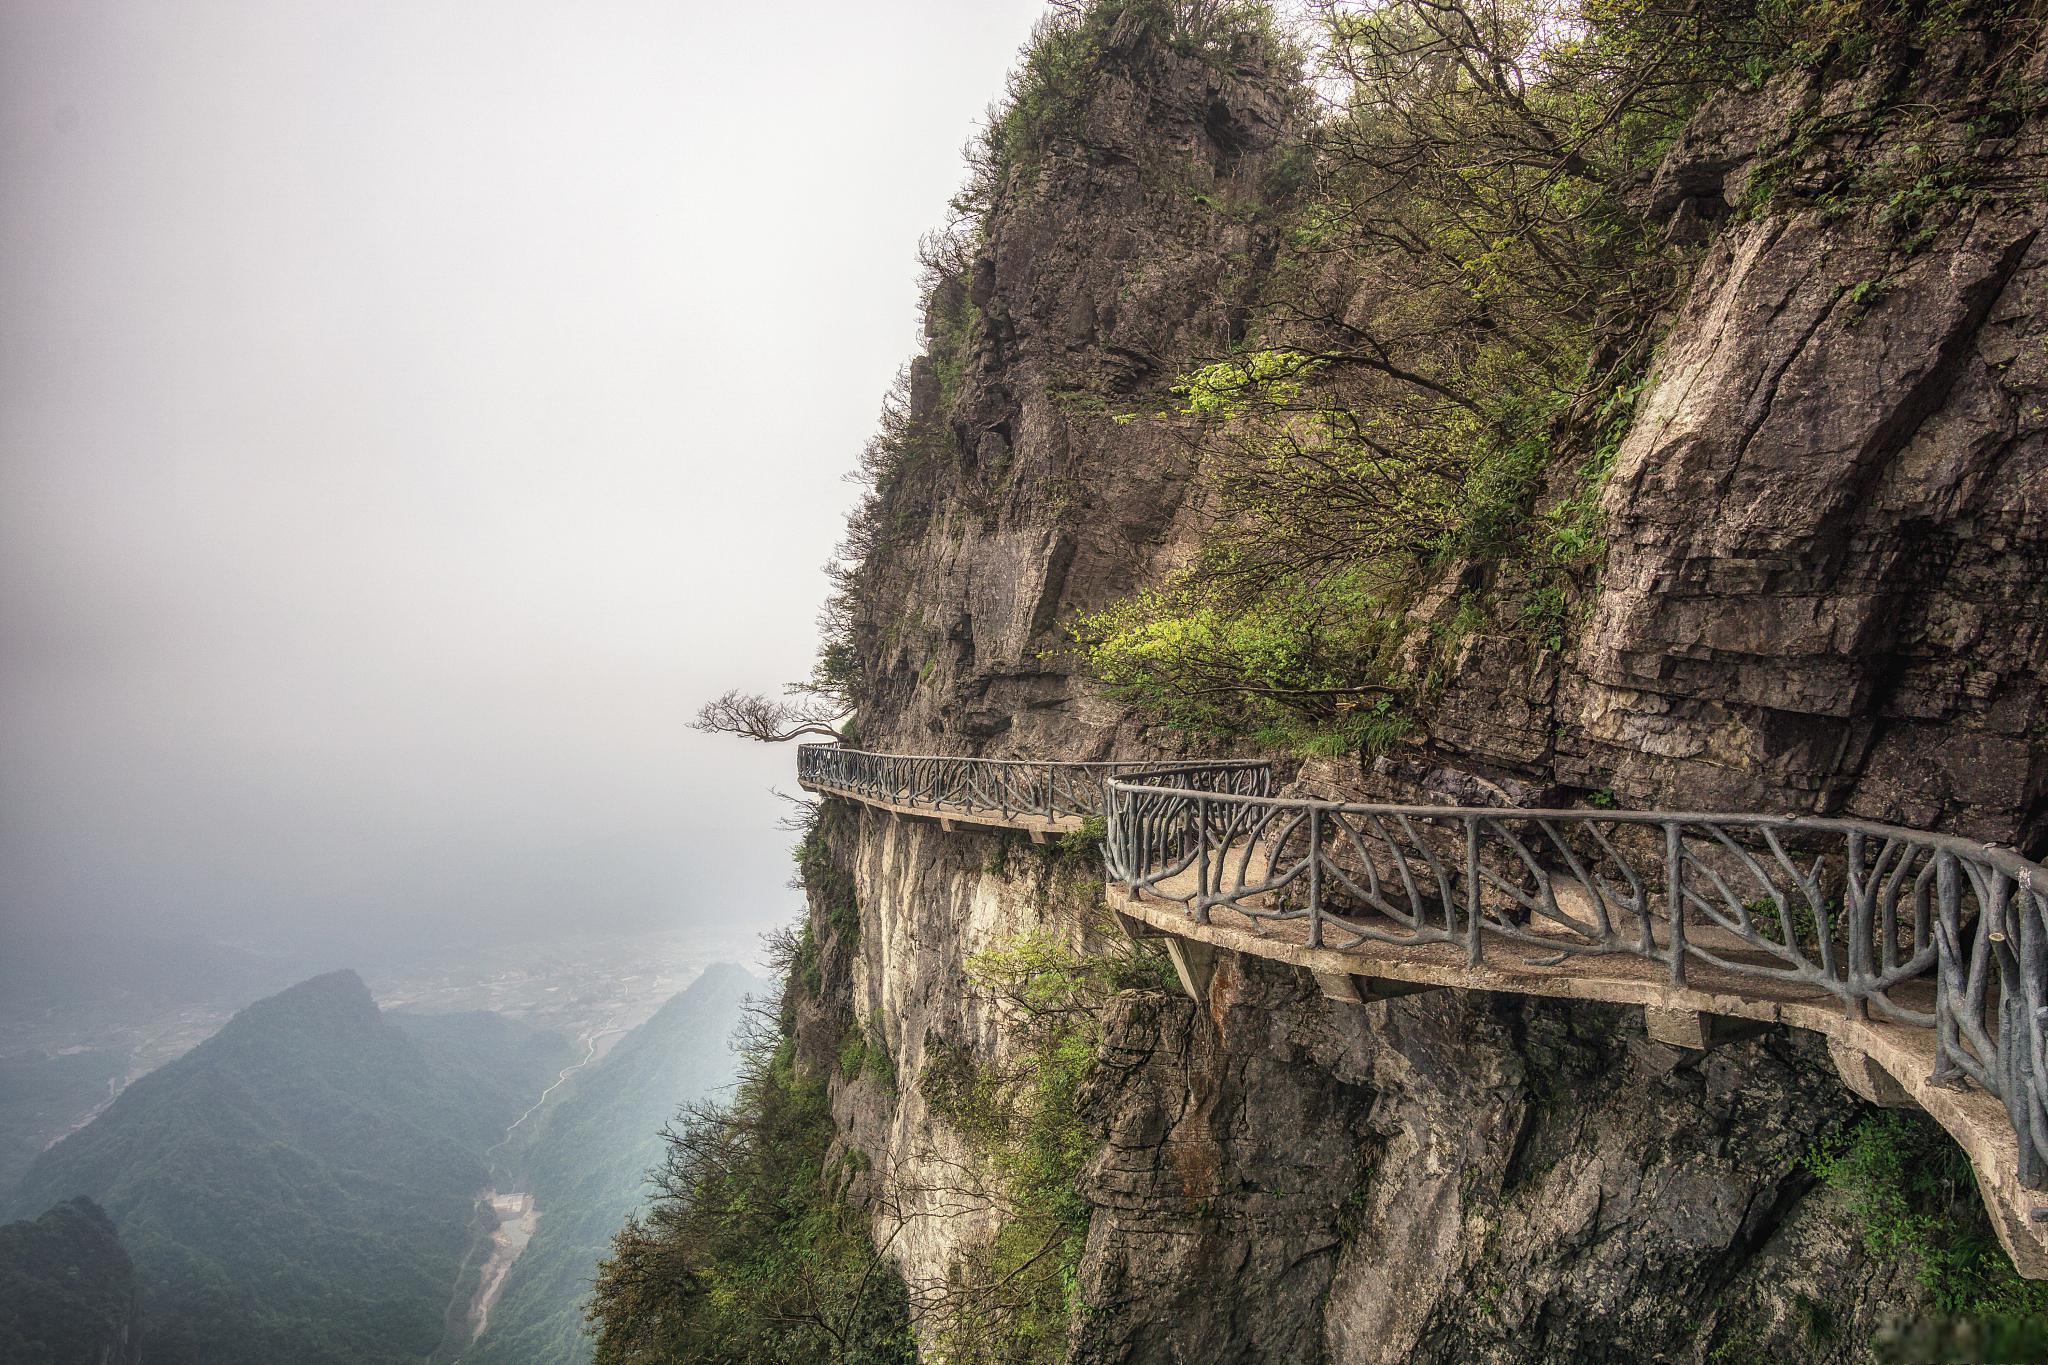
[
  {"x": 1304, "y": 663},
  {"x": 1011, "y": 1300},
  {"x": 1912, "y": 1190},
  {"x": 752, "y": 1251}
]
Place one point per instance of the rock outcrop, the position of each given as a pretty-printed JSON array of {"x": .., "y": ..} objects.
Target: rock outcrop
[{"x": 1100, "y": 273}]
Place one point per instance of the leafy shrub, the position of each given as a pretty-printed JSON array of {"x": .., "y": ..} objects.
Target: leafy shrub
[
  {"x": 1011, "y": 1300},
  {"x": 1913, "y": 1191},
  {"x": 1296, "y": 663},
  {"x": 751, "y": 1252}
]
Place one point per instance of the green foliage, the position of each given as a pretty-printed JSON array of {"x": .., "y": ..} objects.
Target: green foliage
[
  {"x": 1011, "y": 1301},
  {"x": 864, "y": 1054},
  {"x": 302, "y": 1186},
  {"x": 954, "y": 324},
  {"x": 1451, "y": 362},
  {"x": 587, "y": 1168},
  {"x": 1085, "y": 842},
  {"x": 806, "y": 962},
  {"x": 1068, "y": 58},
  {"x": 831, "y": 885},
  {"x": 1769, "y": 924},
  {"x": 1299, "y": 663},
  {"x": 67, "y": 1289},
  {"x": 751, "y": 1252},
  {"x": 1230, "y": 388},
  {"x": 1566, "y": 542},
  {"x": 1912, "y": 1190},
  {"x": 966, "y": 1095}
]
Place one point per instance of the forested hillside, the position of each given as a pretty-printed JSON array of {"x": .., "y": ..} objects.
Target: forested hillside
[
  {"x": 588, "y": 1168},
  {"x": 67, "y": 1290},
  {"x": 302, "y": 1186}
]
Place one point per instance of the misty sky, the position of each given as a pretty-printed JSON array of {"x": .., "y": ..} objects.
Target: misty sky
[{"x": 409, "y": 411}]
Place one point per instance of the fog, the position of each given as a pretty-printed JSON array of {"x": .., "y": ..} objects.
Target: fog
[{"x": 410, "y": 412}]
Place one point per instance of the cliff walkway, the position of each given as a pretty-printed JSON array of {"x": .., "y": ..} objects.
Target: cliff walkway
[{"x": 1923, "y": 959}]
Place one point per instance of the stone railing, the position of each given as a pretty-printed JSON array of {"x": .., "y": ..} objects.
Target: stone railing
[
  {"x": 1008, "y": 790},
  {"x": 1916, "y": 929}
]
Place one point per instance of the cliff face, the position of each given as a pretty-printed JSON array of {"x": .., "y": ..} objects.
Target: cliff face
[
  {"x": 1826, "y": 583},
  {"x": 1099, "y": 275},
  {"x": 1825, "y": 588},
  {"x": 1280, "y": 1177}
]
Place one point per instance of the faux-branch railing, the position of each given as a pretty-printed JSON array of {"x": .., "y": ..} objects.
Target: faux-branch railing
[
  {"x": 999, "y": 786},
  {"x": 1916, "y": 929}
]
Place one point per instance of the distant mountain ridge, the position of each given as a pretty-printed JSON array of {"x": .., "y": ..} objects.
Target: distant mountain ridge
[
  {"x": 586, "y": 1168},
  {"x": 301, "y": 1186}
]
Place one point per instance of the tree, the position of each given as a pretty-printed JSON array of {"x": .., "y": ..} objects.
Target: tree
[{"x": 772, "y": 721}]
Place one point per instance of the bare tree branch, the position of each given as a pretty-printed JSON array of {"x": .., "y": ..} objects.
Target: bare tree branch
[{"x": 770, "y": 720}]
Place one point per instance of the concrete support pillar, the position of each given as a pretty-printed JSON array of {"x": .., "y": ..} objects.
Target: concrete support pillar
[
  {"x": 1871, "y": 1082},
  {"x": 1194, "y": 962},
  {"x": 1694, "y": 1030}
]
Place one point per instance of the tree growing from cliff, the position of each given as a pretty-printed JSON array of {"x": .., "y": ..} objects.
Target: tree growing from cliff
[
  {"x": 750, "y": 1251},
  {"x": 1452, "y": 332},
  {"x": 770, "y": 720}
]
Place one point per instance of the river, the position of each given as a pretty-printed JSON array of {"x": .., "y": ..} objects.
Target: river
[{"x": 513, "y": 1218}]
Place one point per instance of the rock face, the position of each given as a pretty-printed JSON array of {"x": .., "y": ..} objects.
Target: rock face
[
  {"x": 1853, "y": 617},
  {"x": 1826, "y": 589},
  {"x": 1454, "y": 1177},
  {"x": 1100, "y": 274},
  {"x": 1281, "y": 1177}
]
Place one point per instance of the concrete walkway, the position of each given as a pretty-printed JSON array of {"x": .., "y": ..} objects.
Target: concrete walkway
[{"x": 1886, "y": 1063}]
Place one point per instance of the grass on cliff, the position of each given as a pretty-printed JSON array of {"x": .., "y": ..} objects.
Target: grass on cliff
[{"x": 1010, "y": 1301}]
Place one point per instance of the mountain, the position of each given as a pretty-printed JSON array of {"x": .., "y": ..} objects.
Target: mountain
[
  {"x": 492, "y": 1067},
  {"x": 67, "y": 1290},
  {"x": 587, "y": 1167},
  {"x": 44, "y": 1092},
  {"x": 82, "y": 1008},
  {"x": 302, "y": 1186}
]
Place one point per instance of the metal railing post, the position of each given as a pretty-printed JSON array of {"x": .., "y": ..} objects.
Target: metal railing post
[
  {"x": 1474, "y": 901},
  {"x": 1674, "y": 896},
  {"x": 1860, "y": 906},
  {"x": 1315, "y": 876}
]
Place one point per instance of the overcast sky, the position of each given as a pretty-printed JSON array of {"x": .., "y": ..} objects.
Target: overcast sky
[{"x": 410, "y": 411}]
